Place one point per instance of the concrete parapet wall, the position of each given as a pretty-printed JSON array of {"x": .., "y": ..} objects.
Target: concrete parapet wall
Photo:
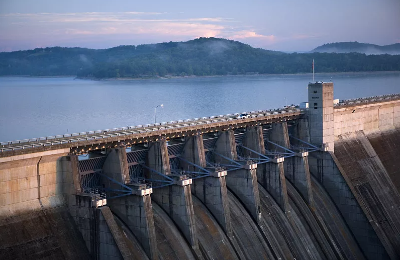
[{"x": 369, "y": 118}]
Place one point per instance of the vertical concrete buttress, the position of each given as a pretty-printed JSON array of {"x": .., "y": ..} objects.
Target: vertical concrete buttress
[
  {"x": 279, "y": 134},
  {"x": 301, "y": 131},
  {"x": 298, "y": 173},
  {"x": 212, "y": 191},
  {"x": 297, "y": 168},
  {"x": 254, "y": 140},
  {"x": 158, "y": 157},
  {"x": 242, "y": 182},
  {"x": 116, "y": 167},
  {"x": 272, "y": 175},
  {"x": 175, "y": 199},
  {"x": 134, "y": 210}
]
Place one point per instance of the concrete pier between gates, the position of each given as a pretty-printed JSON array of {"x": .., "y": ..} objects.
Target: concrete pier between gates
[
  {"x": 175, "y": 199},
  {"x": 212, "y": 191},
  {"x": 134, "y": 210},
  {"x": 242, "y": 182}
]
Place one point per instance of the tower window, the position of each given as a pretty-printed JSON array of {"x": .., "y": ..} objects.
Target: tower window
[{"x": 315, "y": 91}]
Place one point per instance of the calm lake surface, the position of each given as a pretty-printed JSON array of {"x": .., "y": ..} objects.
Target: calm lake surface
[{"x": 36, "y": 107}]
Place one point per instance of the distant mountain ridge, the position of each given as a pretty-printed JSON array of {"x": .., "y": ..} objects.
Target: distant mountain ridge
[
  {"x": 198, "y": 57},
  {"x": 366, "y": 48}
]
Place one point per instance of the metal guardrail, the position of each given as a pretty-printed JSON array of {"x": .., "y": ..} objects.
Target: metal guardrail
[
  {"x": 99, "y": 135},
  {"x": 367, "y": 100}
]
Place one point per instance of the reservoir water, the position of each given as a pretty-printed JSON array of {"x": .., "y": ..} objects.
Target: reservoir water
[{"x": 36, "y": 107}]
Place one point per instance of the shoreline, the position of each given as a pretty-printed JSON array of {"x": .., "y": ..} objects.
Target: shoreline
[
  {"x": 194, "y": 76},
  {"x": 241, "y": 75}
]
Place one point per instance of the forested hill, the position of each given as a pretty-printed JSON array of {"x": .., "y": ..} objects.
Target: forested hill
[
  {"x": 366, "y": 48},
  {"x": 200, "y": 57}
]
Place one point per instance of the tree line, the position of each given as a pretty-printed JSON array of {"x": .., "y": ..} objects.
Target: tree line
[{"x": 199, "y": 57}]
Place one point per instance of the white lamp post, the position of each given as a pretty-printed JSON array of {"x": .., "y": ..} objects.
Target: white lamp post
[{"x": 155, "y": 112}]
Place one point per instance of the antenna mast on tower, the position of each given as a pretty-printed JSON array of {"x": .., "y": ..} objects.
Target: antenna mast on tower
[{"x": 313, "y": 70}]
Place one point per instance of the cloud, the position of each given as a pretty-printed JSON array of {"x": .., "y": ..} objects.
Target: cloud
[
  {"x": 112, "y": 23},
  {"x": 252, "y": 34},
  {"x": 103, "y": 17},
  {"x": 64, "y": 28}
]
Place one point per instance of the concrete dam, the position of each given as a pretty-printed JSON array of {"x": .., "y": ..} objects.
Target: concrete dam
[{"x": 315, "y": 183}]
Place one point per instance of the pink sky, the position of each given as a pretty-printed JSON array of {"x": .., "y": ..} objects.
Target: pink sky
[{"x": 285, "y": 25}]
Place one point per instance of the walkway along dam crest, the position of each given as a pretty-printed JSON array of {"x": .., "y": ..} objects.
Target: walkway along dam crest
[{"x": 316, "y": 183}]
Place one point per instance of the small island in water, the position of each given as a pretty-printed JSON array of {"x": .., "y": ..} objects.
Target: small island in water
[{"x": 199, "y": 57}]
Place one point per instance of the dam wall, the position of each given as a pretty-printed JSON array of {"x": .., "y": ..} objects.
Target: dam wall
[
  {"x": 366, "y": 148},
  {"x": 319, "y": 184},
  {"x": 352, "y": 172},
  {"x": 34, "y": 219},
  {"x": 369, "y": 117}
]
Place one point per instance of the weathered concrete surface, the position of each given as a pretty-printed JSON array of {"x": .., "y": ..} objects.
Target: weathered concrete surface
[
  {"x": 374, "y": 188},
  {"x": 272, "y": 178},
  {"x": 116, "y": 167},
  {"x": 328, "y": 172},
  {"x": 321, "y": 115},
  {"x": 135, "y": 211},
  {"x": 213, "y": 193},
  {"x": 313, "y": 228},
  {"x": 111, "y": 244},
  {"x": 387, "y": 146},
  {"x": 194, "y": 152},
  {"x": 177, "y": 202},
  {"x": 23, "y": 183},
  {"x": 242, "y": 182},
  {"x": 297, "y": 172},
  {"x": 296, "y": 238},
  {"x": 158, "y": 159},
  {"x": 369, "y": 118},
  {"x": 213, "y": 242},
  {"x": 170, "y": 242},
  {"x": 254, "y": 140},
  {"x": 33, "y": 213},
  {"x": 249, "y": 238},
  {"x": 41, "y": 234},
  {"x": 333, "y": 225}
]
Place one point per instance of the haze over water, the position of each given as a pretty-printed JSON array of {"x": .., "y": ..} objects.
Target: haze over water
[{"x": 35, "y": 107}]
